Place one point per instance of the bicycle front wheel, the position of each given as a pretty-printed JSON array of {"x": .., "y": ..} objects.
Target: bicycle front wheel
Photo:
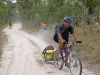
[
  {"x": 58, "y": 61},
  {"x": 75, "y": 65}
]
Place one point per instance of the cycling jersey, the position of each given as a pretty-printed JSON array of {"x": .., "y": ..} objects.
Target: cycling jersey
[{"x": 64, "y": 33}]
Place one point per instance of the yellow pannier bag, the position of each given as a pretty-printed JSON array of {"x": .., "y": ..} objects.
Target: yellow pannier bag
[{"x": 47, "y": 54}]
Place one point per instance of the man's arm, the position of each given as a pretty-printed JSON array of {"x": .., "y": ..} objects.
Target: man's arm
[
  {"x": 75, "y": 36},
  {"x": 60, "y": 38}
]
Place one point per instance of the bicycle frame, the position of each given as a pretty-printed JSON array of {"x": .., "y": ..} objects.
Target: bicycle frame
[{"x": 66, "y": 55}]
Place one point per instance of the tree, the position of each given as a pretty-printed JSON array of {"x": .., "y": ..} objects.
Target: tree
[
  {"x": 53, "y": 11},
  {"x": 3, "y": 11},
  {"x": 91, "y": 4}
]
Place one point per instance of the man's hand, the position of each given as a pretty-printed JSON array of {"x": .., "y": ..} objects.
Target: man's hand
[
  {"x": 60, "y": 38},
  {"x": 78, "y": 41},
  {"x": 62, "y": 41}
]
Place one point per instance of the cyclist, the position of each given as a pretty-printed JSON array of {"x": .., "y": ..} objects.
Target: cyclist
[
  {"x": 62, "y": 34},
  {"x": 10, "y": 25}
]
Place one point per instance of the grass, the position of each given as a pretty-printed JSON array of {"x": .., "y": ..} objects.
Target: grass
[
  {"x": 89, "y": 49},
  {"x": 2, "y": 38}
]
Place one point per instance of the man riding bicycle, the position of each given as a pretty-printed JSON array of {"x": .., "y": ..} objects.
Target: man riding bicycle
[
  {"x": 62, "y": 34},
  {"x": 10, "y": 25}
]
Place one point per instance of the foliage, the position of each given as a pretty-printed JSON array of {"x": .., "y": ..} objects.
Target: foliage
[
  {"x": 53, "y": 11},
  {"x": 6, "y": 8},
  {"x": 92, "y": 3}
]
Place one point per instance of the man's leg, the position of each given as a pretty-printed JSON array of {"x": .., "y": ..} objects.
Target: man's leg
[
  {"x": 60, "y": 45},
  {"x": 66, "y": 46}
]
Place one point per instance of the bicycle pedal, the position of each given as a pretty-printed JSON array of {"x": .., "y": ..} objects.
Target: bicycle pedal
[{"x": 67, "y": 64}]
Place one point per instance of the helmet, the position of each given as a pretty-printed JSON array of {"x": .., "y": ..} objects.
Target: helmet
[{"x": 67, "y": 19}]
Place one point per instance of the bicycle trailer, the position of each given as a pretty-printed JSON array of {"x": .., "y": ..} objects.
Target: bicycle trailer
[{"x": 47, "y": 53}]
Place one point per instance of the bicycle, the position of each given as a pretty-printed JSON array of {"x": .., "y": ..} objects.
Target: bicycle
[{"x": 70, "y": 59}]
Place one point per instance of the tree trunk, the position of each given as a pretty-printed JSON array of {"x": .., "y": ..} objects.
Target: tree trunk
[
  {"x": 84, "y": 13},
  {"x": 98, "y": 16}
]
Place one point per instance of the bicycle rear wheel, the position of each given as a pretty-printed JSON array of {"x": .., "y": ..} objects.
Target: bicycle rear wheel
[
  {"x": 58, "y": 61},
  {"x": 75, "y": 65}
]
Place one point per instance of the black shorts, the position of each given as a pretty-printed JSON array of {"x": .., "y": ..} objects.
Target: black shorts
[{"x": 56, "y": 39}]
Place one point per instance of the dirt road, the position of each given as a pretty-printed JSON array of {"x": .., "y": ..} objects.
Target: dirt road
[{"x": 22, "y": 55}]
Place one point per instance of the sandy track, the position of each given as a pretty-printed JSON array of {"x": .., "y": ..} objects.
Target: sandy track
[{"x": 22, "y": 55}]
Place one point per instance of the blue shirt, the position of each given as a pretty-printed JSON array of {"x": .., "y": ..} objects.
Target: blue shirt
[{"x": 64, "y": 33}]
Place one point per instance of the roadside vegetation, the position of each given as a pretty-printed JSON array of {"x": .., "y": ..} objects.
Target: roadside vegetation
[
  {"x": 89, "y": 50},
  {"x": 2, "y": 37},
  {"x": 6, "y": 15}
]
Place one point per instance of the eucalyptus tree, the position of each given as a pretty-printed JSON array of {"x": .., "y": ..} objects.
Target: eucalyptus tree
[
  {"x": 3, "y": 11},
  {"x": 51, "y": 11},
  {"x": 6, "y": 9},
  {"x": 74, "y": 9},
  {"x": 29, "y": 11},
  {"x": 87, "y": 9},
  {"x": 95, "y": 10}
]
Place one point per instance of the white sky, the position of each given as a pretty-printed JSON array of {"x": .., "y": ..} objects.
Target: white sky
[{"x": 14, "y": 1}]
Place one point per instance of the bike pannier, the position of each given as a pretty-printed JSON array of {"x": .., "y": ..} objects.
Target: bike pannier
[{"x": 48, "y": 52}]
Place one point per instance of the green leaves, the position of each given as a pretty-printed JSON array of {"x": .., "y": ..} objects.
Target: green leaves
[
  {"x": 92, "y": 3},
  {"x": 51, "y": 11},
  {"x": 3, "y": 10}
]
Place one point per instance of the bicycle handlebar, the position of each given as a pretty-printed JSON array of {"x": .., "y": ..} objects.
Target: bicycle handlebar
[
  {"x": 78, "y": 41},
  {"x": 73, "y": 43}
]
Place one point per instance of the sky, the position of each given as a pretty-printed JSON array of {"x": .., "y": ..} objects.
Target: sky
[{"x": 14, "y": 1}]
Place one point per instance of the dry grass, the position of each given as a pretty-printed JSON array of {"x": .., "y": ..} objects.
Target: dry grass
[
  {"x": 3, "y": 39},
  {"x": 89, "y": 49}
]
